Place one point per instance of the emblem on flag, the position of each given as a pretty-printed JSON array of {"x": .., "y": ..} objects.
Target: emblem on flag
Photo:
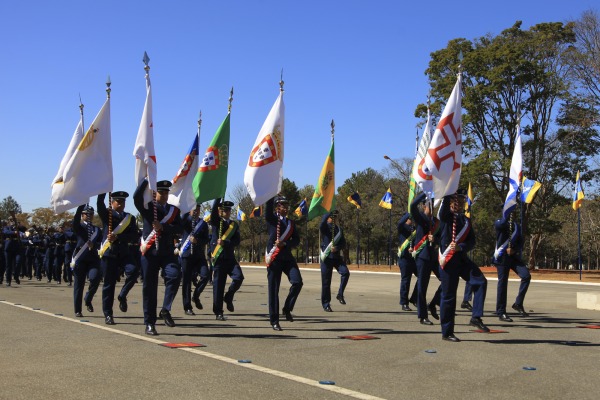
[
  {"x": 211, "y": 160},
  {"x": 185, "y": 167},
  {"x": 437, "y": 153},
  {"x": 266, "y": 151}
]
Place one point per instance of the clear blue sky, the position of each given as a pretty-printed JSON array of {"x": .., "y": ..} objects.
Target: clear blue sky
[{"x": 361, "y": 63}]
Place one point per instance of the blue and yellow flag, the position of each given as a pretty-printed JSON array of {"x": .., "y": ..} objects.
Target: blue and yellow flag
[
  {"x": 323, "y": 200},
  {"x": 530, "y": 187},
  {"x": 241, "y": 216},
  {"x": 469, "y": 201},
  {"x": 354, "y": 198},
  {"x": 386, "y": 201},
  {"x": 256, "y": 212},
  {"x": 578, "y": 195},
  {"x": 302, "y": 209}
]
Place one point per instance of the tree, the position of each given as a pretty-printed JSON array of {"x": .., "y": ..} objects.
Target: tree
[
  {"x": 584, "y": 55},
  {"x": 9, "y": 207}
]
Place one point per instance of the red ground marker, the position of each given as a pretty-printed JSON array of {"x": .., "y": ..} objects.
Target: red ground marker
[
  {"x": 184, "y": 344},
  {"x": 359, "y": 337},
  {"x": 590, "y": 326},
  {"x": 491, "y": 331}
]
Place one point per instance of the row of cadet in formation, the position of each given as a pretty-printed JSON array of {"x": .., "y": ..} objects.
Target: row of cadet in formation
[
  {"x": 103, "y": 255},
  {"x": 427, "y": 245}
]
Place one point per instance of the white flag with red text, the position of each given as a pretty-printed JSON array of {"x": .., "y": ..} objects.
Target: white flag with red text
[
  {"x": 443, "y": 159},
  {"x": 264, "y": 172},
  {"x": 145, "y": 156}
]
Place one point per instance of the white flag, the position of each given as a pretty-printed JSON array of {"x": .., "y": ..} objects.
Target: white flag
[
  {"x": 421, "y": 173},
  {"x": 444, "y": 155},
  {"x": 264, "y": 172},
  {"x": 145, "y": 156},
  {"x": 89, "y": 171},
  {"x": 514, "y": 178},
  {"x": 56, "y": 198},
  {"x": 182, "y": 193}
]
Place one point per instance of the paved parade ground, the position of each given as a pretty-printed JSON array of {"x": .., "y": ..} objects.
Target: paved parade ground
[{"x": 47, "y": 353}]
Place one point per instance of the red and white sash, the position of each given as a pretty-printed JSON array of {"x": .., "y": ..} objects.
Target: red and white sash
[
  {"x": 460, "y": 238},
  {"x": 151, "y": 239},
  {"x": 272, "y": 255}
]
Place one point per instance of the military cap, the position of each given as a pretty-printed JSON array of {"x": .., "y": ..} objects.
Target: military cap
[
  {"x": 281, "y": 200},
  {"x": 461, "y": 192},
  {"x": 226, "y": 204},
  {"x": 88, "y": 210},
  {"x": 334, "y": 213},
  {"x": 163, "y": 185},
  {"x": 119, "y": 195}
]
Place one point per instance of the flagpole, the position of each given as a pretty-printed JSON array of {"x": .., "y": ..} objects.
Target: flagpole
[
  {"x": 390, "y": 241},
  {"x": 579, "y": 240},
  {"x": 358, "y": 236},
  {"x": 110, "y": 209}
]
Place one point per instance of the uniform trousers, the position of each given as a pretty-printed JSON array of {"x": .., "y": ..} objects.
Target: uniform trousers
[
  {"x": 84, "y": 268},
  {"x": 274, "y": 271},
  {"x": 408, "y": 267},
  {"x": 503, "y": 272},
  {"x": 151, "y": 266},
  {"x": 326, "y": 271},
  {"x": 12, "y": 271},
  {"x": 189, "y": 266},
  {"x": 223, "y": 268},
  {"x": 460, "y": 267},
  {"x": 205, "y": 277},
  {"x": 424, "y": 269},
  {"x": 111, "y": 267}
]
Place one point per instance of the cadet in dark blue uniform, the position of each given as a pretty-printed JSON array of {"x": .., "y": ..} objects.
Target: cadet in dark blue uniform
[
  {"x": 70, "y": 242},
  {"x": 424, "y": 251},
  {"x": 507, "y": 256},
  {"x": 59, "y": 253},
  {"x": 225, "y": 237},
  {"x": 38, "y": 255},
  {"x": 49, "y": 246},
  {"x": 283, "y": 237},
  {"x": 12, "y": 247},
  {"x": 118, "y": 229},
  {"x": 406, "y": 262},
  {"x": 166, "y": 225},
  {"x": 132, "y": 271},
  {"x": 192, "y": 256},
  {"x": 85, "y": 258},
  {"x": 456, "y": 239},
  {"x": 332, "y": 241}
]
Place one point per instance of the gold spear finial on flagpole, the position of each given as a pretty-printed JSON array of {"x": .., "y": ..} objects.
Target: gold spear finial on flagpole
[
  {"x": 146, "y": 60},
  {"x": 332, "y": 129},
  {"x": 281, "y": 81},
  {"x": 108, "y": 89},
  {"x": 199, "y": 120},
  {"x": 230, "y": 100},
  {"x": 81, "y": 113}
]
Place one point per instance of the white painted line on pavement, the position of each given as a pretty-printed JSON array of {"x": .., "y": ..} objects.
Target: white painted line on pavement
[{"x": 279, "y": 374}]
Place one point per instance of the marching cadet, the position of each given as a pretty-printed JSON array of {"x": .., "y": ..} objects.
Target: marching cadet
[
  {"x": 225, "y": 238},
  {"x": 59, "y": 253},
  {"x": 49, "y": 246},
  {"x": 424, "y": 251},
  {"x": 2, "y": 257},
  {"x": 85, "y": 260},
  {"x": 332, "y": 241},
  {"x": 161, "y": 222},
  {"x": 38, "y": 255},
  {"x": 507, "y": 256},
  {"x": 406, "y": 262},
  {"x": 192, "y": 256},
  {"x": 118, "y": 228},
  {"x": 12, "y": 248},
  {"x": 132, "y": 272},
  {"x": 283, "y": 237},
  {"x": 456, "y": 238},
  {"x": 70, "y": 242}
]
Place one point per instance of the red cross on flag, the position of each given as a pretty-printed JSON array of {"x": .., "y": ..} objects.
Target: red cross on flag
[{"x": 444, "y": 154}]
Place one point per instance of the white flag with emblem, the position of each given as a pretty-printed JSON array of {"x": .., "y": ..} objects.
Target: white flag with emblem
[
  {"x": 89, "y": 171},
  {"x": 264, "y": 172},
  {"x": 181, "y": 194},
  {"x": 444, "y": 155}
]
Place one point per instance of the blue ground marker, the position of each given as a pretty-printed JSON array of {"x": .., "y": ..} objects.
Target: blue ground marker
[
  {"x": 245, "y": 361},
  {"x": 529, "y": 368},
  {"x": 430, "y": 351},
  {"x": 327, "y": 382}
]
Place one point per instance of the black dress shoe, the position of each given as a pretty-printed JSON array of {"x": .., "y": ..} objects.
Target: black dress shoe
[
  {"x": 519, "y": 308},
  {"x": 7, "y": 284},
  {"x": 79, "y": 314},
  {"x": 478, "y": 323},
  {"x": 221, "y": 317},
  {"x": 288, "y": 315},
  {"x": 276, "y": 326},
  {"x": 466, "y": 305},
  {"x": 109, "y": 320},
  {"x": 328, "y": 309},
  {"x": 229, "y": 305},
  {"x": 70, "y": 284},
  {"x": 189, "y": 312},
  {"x": 341, "y": 299},
  {"x": 150, "y": 330},
  {"x": 89, "y": 306},
  {"x": 451, "y": 338},
  {"x": 505, "y": 318},
  {"x": 17, "y": 281},
  {"x": 433, "y": 311},
  {"x": 405, "y": 307},
  {"x": 425, "y": 321},
  {"x": 122, "y": 303},
  {"x": 166, "y": 316},
  {"x": 197, "y": 303}
]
